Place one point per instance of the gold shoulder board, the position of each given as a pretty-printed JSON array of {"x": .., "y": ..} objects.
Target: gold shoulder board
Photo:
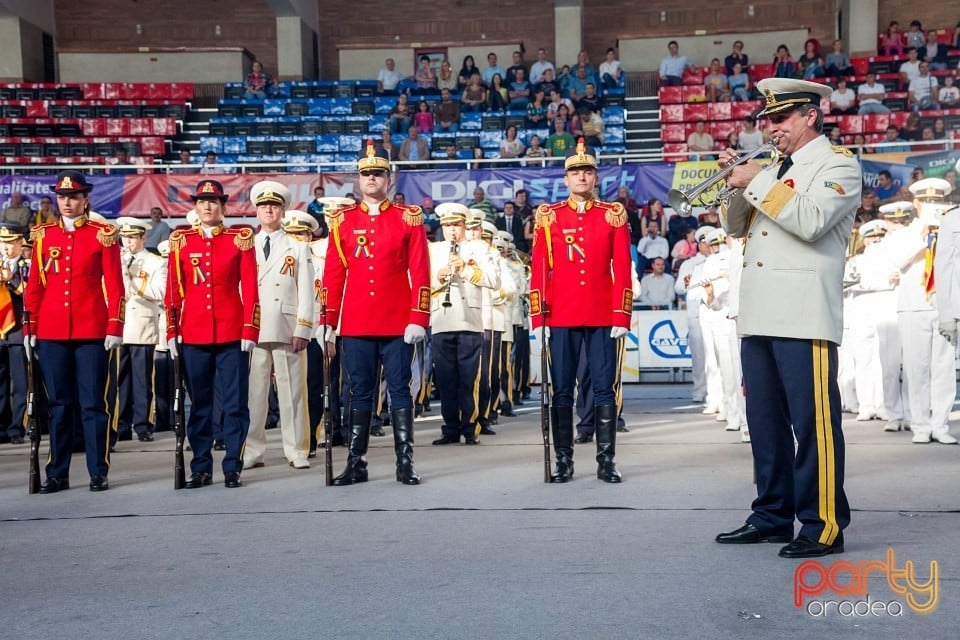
[
  {"x": 545, "y": 216},
  {"x": 616, "y": 215},
  {"x": 413, "y": 215},
  {"x": 107, "y": 234},
  {"x": 243, "y": 238}
]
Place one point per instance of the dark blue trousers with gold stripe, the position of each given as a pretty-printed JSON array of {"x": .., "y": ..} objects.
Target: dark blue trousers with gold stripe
[
  {"x": 75, "y": 376},
  {"x": 456, "y": 361},
  {"x": 793, "y": 382},
  {"x": 566, "y": 346},
  {"x": 362, "y": 358}
]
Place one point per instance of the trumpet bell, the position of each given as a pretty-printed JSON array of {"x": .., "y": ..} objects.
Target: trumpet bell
[{"x": 679, "y": 201}]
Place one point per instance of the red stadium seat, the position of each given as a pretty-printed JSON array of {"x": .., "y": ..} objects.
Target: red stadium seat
[
  {"x": 898, "y": 118},
  {"x": 140, "y": 126},
  {"x": 860, "y": 65},
  {"x": 673, "y": 133},
  {"x": 113, "y": 90},
  {"x": 181, "y": 91},
  {"x": 670, "y": 95},
  {"x": 694, "y": 93},
  {"x": 875, "y": 122},
  {"x": 695, "y": 111},
  {"x": 671, "y": 113},
  {"x": 134, "y": 91},
  {"x": 152, "y": 146},
  {"x": 718, "y": 111},
  {"x": 674, "y": 152},
  {"x": 850, "y": 125},
  {"x": 761, "y": 71},
  {"x": 740, "y": 110},
  {"x": 118, "y": 126},
  {"x": 92, "y": 90},
  {"x": 720, "y": 130},
  {"x": 93, "y": 126},
  {"x": 693, "y": 76}
]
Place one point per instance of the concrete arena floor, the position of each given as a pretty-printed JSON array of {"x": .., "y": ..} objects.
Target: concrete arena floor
[{"x": 482, "y": 549}]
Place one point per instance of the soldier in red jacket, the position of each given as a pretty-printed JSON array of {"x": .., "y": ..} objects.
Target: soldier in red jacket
[
  {"x": 212, "y": 286},
  {"x": 75, "y": 300},
  {"x": 580, "y": 287},
  {"x": 376, "y": 289}
]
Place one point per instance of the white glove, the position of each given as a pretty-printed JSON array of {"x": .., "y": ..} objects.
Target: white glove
[
  {"x": 323, "y": 332},
  {"x": 618, "y": 332},
  {"x": 414, "y": 333},
  {"x": 247, "y": 345},
  {"x": 112, "y": 342},
  {"x": 948, "y": 330},
  {"x": 174, "y": 349},
  {"x": 29, "y": 344}
]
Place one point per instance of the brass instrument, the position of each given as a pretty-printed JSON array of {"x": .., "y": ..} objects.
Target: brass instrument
[
  {"x": 683, "y": 201},
  {"x": 446, "y": 296}
]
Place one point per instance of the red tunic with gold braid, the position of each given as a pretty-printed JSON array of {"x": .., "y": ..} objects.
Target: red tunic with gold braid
[
  {"x": 75, "y": 290},
  {"x": 213, "y": 283},
  {"x": 584, "y": 260},
  {"x": 376, "y": 279}
]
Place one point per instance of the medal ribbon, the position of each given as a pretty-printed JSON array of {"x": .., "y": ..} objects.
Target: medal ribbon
[
  {"x": 198, "y": 274},
  {"x": 573, "y": 248},
  {"x": 289, "y": 266},
  {"x": 362, "y": 248}
]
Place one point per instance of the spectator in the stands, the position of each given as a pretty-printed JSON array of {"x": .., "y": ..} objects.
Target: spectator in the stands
[
  {"x": 538, "y": 68},
  {"x": 414, "y": 148},
  {"x": 210, "y": 164},
  {"x": 388, "y": 79},
  {"x": 548, "y": 83},
  {"x": 700, "y": 142},
  {"x": 715, "y": 83},
  {"x": 474, "y": 96},
  {"x": 468, "y": 68},
  {"x": 949, "y": 95},
  {"x": 733, "y": 140},
  {"x": 492, "y": 69},
  {"x": 891, "y": 42},
  {"x": 739, "y": 83},
  {"x": 684, "y": 248},
  {"x": 653, "y": 212},
  {"x": 497, "y": 97},
  {"x": 939, "y": 127},
  {"x": 783, "y": 66},
  {"x": 870, "y": 95},
  {"x": 892, "y": 142},
  {"x": 423, "y": 118},
  {"x": 592, "y": 123},
  {"x": 259, "y": 84},
  {"x": 186, "y": 163},
  {"x": 678, "y": 225},
  {"x": 672, "y": 67},
  {"x": 159, "y": 230},
  {"x": 560, "y": 141},
  {"x": 951, "y": 177},
  {"x": 448, "y": 113},
  {"x": 516, "y": 65},
  {"x": 583, "y": 62},
  {"x": 811, "y": 51},
  {"x": 481, "y": 202},
  {"x": 524, "y": 208},
  {"x": 316, "y": 210},
  {"x": 610, "y": 70},
  {"x": 927, "y": 136},
  {"x": 446, "y": 79},
  {"x": 519, "y": 91},
  {"x": 934, "y": 53},
  {"x": 833, "y": 135},
  {"x": 537, "y": 111},
  {"x": 557, "y": 101},
  {"x": 750, "y": 137},
  {"x": 657, "y": 287},
  {"x": 923, "y": 90},
  {"x": 710, "y": 217},
  {"x": 535, "y": 150},
  {"x": 563, "y": 78},
  {"x": 909, "y": 69},
  {"x": 737, "y": 56},
  {"x": 915, "y": 37},
  {"x": 563, "y": 113},
  {"x": 121, "y": 162},
  {"x": 652, "y": 245},
  {"x": 814, "y": 69},
  {"x": 18, "y": 212},
  {"x": 886, "y": 190},
  {"x": 837, "y": 61},
  {"x": 386, "y": 143},
  {"x": 577, "y": 87},
  {"x": 425, "y": 78},
  {"x": 590, "y": 100},
  {"x": 401, "y": 116},
  {"x": 843, "y": 100},
  {"x": 858, "y": 147},
  {"x": 575, "y": 125},
  {"x": 510, "y": 221},
  {"x": 46, "y": 212},
  {"x": 510, "y": 145},
  {"x": 633, "y": 213},
  {"x": 869, "y": 207},
  {"x": 399, "y": 198}
]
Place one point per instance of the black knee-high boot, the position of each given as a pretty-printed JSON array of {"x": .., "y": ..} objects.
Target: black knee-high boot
[
  {"x": 402, "y": 420},
  {"x": 606, "y": 428},
  {"x": 563, "y": 443},
  {"x": 356, "y": 470}
]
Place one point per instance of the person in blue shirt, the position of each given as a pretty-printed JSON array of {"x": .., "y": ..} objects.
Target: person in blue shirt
[{"x": 492, "y": 68}]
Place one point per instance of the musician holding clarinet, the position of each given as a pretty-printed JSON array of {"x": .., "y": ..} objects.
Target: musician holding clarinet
[{"x": 459, "y": 271}]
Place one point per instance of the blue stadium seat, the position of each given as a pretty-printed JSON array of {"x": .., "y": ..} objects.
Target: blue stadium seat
[
  {"x": 351, "y": 144},
  {"x": 341, "y": 106},
  {"x": 211, "y": 143},
  {"x": 491, "y": 139},
  {"x": 328, "y": 143},
  {"x": 614, "y": 115},
  {"x": 233, "y": 145},
  {"x": 613, "y": 135},
  {"x": 384, "y": 104}
]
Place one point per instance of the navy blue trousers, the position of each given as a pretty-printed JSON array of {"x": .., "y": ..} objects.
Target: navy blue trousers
[
  {"x": 362, "y": 358},
  {"x": 456, "y": 361},
  {"x": 221, "y": 372},
  {"x": 135, "y": 388},
  {"x": 601, "y": 356},
  {"x": 13, "y": 389},
  {"x": 792, "y": 382},
  {"x": 75, "y": 376}
]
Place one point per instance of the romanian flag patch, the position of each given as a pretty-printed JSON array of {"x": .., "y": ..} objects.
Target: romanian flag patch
[{"x": 836, "y": 187}]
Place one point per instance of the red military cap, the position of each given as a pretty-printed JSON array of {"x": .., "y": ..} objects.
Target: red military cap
[
  {"x": 71, "y": 181},
  {"x": 209, "y": 189}
]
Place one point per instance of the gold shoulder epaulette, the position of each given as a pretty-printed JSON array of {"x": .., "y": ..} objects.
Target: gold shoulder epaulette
[
  {"x": 176, "y": 240},
  {"x": 242, "y": 237},
  {"x": 413, "y": 215},
  {"x": 106, "y": 233},
  {"x": 616, "y": 215},
  {"x": 335, "y": 217},
  {"x": 841, "y": 150},
  {"x": 545, "y": 216},
  {"x": 37, "y": 232}
]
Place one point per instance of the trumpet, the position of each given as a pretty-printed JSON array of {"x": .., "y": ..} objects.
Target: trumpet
[{"x": 682, "y": 201}]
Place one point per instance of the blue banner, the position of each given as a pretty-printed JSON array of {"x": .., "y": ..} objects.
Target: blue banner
[{"x": 106, "y": 197}]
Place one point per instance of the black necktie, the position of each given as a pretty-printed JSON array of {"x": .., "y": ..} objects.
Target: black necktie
[
  {"x": 784, "y": 167},
  {"x": 266, "y": 248}
]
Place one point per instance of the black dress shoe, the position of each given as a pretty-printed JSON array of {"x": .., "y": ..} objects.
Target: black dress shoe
[
  {"x": 487, "y": 431},
  {"x": 471, "y": 439},
  {"x": 622, "y": 429},
  {"x": 52, "y": 485},
  {"x": 377, "y": 431},
  {"x": 749, "y": 534},
  {"x": 218, "y": 445},
  {"x": 804, "y": 547},
  {"x": 583, "y": 438},
  {"x": 447, "y": 440},
  {"x": 145, "y": 437},
  {"x": 99, "y": 483},
  {"x": 231, "y": 480},
  {"x": 16, "y": 440},
  {"x": 312, "y": 453},
  {"x": 198, "y": 479},
  {"x": 508, "y": 413}
]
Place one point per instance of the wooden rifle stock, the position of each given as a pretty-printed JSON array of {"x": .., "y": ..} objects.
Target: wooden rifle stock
[
  {"x": 33, "y": 424},
  {"x": 179, "y": 411}
]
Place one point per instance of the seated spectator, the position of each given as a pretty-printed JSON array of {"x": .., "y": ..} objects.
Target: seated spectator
[
  {"x": 657, "y": 288},
  {"x": 672, "y": 67},
  {"x": 678, "y": 226},
  {"x": 811, "y": 52},
  {"x": 651, "y": 246},
  {"x": 510, "y": 146},
  {"x": 684, "y": 248},
  {"x": 923, "y": 90},
  {"x": 535, "y": 150},
  {"x": 783, "y": 66},
  {"x": 633, "y": 213},
  {"x": 575, "y": 125},
  {"x": 700, "y": 141},
  {"x": 814, "y": 69},
  {"x": 259, "y": 84},
  {"x": 927, "y": 136},
  {"x": 833, "y": 135},
  {"x": 737, "y": 56},
  {"x": 583, "y": 62},
  {"x": 837, "y": 62},
  {"x": 733, "y": 141},
  {"x": 538, "y": 69},
  {"x": 949, "y": 95},
  {"x": 940, "y": 128},
  {"x": 563, "y": 79},
  {"x": 399, "y": 198},
  {"x": 186, "y": 163},
  {"x": 46, "y": 212},
  {"x": 934, "y": 53},
  {"x": 909, "y": 69},
  {"x": 886, "y": 190},
  {"x": 590, "y": 100},
  {"x": 739, "y": 83},
  {"x": 414, "y": 148},
  {"x": 210, "y": 165},
  {"x": 492, "y": 69},
  {"x": 423, "y": 118},
  {"x": 951, "y": 177},
  {"x": 18, "y": 213},
  {"x": 388, "y": 78},
  {"x": 843, "y": 100},
  {"x": 892, "y": 142},
  {"x": 425, "y": 78},
  {"x": 560, "y": 141},
  {"x": 718, "y": 89},
  {"x": 652, "y": 213},
  {"x": 474, "y": 96},
  {"x": 446, "y": 79},
  {"x": 547, "y": 84},
  {"x": 709, "y": 218},
  {"x": 577, "y": 87},
  {"x": 610, "y": 70},
  {"x": 447, "y": 113},
  {"x": 870, "y": 95},
  {"x": 401, "y": 116},
  {"x": 519, "y": 91},
  {"x": 122, "y": 162},
  {"x": 481, "y": 202},
  {"x": 511, "y": 76},
  {"x": 556, "y": 101},
  {"x": 496, "y": 94},
  {"x": 159, "y": 230},
  {"x": 468, "y": 68},
  {"x": 592, "y": 123},
  {"x": 859, "y": 145},
  {"x": 891, "y": 42},
  {"x": 750, "y": 138},
  {"x": 563, "y": 113},
  {"x": 915, "y": 37},
  {"x": 537, "y": 111},
  {"x": 387, "y": 145},
  {"x": 451, "y": 154}
]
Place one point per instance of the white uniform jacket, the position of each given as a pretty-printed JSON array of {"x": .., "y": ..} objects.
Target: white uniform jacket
[
  {"x": 480, "y": 274},
  {"x": 286, "y": 289},
  {"x": 145, "y": 281}
]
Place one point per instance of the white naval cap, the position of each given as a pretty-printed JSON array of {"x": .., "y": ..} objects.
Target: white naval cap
[
  {"x": 163, "y": 248},
  {"x": 703, "y": 232},
  {"x": 504, "y": 235},
  {"x": 270, "y": 192},
  {"x": 897, "y": 210},
  {"x": 452, "y": 212},
  {"x": 717, "y": 236},
  {"x": 872, "y": 229},
  {"x": 476, "y": 217},
  {"x": 489, "y": 229},
  {"x": 130, "y": 226},
  {"x": 930, "y": 189},
  {"x": 193, "y": 218},
  {"x": 296, "y": 221}
]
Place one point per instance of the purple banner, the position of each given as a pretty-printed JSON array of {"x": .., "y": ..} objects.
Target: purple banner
[{"x": 106, "y": 197}]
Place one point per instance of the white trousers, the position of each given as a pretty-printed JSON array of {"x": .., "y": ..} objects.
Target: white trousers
[
  {"x": 697, "y": 357},
  {"x": 727, "y": 348},
  {"x": 928, "y": 360},
  {"x": 865, "y": 345},
  {"x": 290, "y": 370},
  {"x": 711, "y": 368},
  {"x": 891, "y": 359}
]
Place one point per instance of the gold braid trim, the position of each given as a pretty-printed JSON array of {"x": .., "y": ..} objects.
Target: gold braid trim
[
  {"x": 413, "y": 215},
  {"x": 616, "y": 215},
  {"x": 39, "y": 231},
  {"x": 176, "y": 241},
  {"x": 107, "y": 234},
  {"x": 545, "y": 216},
  {"x": 243, "y": 238}
]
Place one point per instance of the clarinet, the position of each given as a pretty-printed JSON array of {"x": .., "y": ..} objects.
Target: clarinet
[{"x": 446, "y": 296}]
